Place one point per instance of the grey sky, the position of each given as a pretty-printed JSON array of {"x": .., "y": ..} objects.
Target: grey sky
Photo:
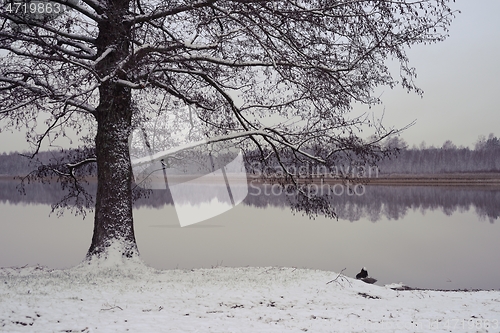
[{"x": 460, "y": 77}]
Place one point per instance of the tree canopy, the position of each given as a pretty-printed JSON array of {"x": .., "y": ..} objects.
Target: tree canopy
[{"x": 276, "y": 78}]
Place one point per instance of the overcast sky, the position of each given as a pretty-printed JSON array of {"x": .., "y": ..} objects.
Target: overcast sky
[
  {"x": 460, "y": 78},
  {"x": 461, "y": 82}
]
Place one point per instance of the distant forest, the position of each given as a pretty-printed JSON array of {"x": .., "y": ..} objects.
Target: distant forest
[
  {"x": 17, "y": 164},
  {"x": 485, "y": 157}
]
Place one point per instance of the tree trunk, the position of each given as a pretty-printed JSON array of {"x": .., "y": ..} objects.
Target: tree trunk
[{"x": 113, "y": 223}]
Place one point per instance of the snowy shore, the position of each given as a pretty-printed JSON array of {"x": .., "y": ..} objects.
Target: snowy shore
[{"x": 136, "y": 298}]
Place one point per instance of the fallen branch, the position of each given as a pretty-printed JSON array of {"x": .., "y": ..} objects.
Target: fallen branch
[
  {"x": 341, "y": 276},
  {"x": 112, "y": 308}
]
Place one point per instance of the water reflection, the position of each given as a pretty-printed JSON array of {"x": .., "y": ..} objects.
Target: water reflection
[
  {"x": 376, "y": 203},
  {"x": 394, "y": 202}
]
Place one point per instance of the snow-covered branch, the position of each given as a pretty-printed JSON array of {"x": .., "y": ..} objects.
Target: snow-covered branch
[
  {"x": 241, "y": 63},
  {"x": 103, "y": 55},
  {"x": 17, "y": 106},
  {"x": 262, "y": 132},
  {"x": 46, "y": 92},
  {"x": 97, "y": 6},
  {"x": 130, "y": 84},
  {"x": 81, "y": 105},
  {"x": 163, "y": 154},
  {"x": 20, "y": 83},
  {"x": 80, "y": 163},
  {"x": 160, "y": 13}
]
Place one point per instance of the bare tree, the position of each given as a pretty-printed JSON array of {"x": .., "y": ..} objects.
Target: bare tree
[{"x": 103, "y": 66}]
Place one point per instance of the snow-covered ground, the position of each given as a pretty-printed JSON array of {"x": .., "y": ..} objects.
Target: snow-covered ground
[{"x": 136, "y": 298}]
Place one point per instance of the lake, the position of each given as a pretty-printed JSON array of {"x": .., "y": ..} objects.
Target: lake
[{"x": 425, "y": 237}]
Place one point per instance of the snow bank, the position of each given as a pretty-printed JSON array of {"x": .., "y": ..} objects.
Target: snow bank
[{"x": 137, "y": 298}]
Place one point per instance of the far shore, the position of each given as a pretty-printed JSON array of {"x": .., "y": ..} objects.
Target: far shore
[
  {"x": 441, "y": 179},
  {"x": 483, "y": 179}
]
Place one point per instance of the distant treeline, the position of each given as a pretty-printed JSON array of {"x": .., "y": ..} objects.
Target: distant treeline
[
  {"x": 485, "y": 157},
  {"x": 19, "y": 164}
]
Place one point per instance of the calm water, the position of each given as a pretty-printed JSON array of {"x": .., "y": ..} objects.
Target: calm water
[{"x": 422, "y": 236}]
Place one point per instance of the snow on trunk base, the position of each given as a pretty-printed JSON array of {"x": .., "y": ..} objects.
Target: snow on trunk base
[
  {"x": 142, "y": 299},
  {"x": 112, "y": 258}
]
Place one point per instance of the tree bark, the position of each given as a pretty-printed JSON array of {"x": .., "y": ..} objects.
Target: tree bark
[
  {"x": 113, "y": 215},
  {"x": 113, "y": 222}
]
